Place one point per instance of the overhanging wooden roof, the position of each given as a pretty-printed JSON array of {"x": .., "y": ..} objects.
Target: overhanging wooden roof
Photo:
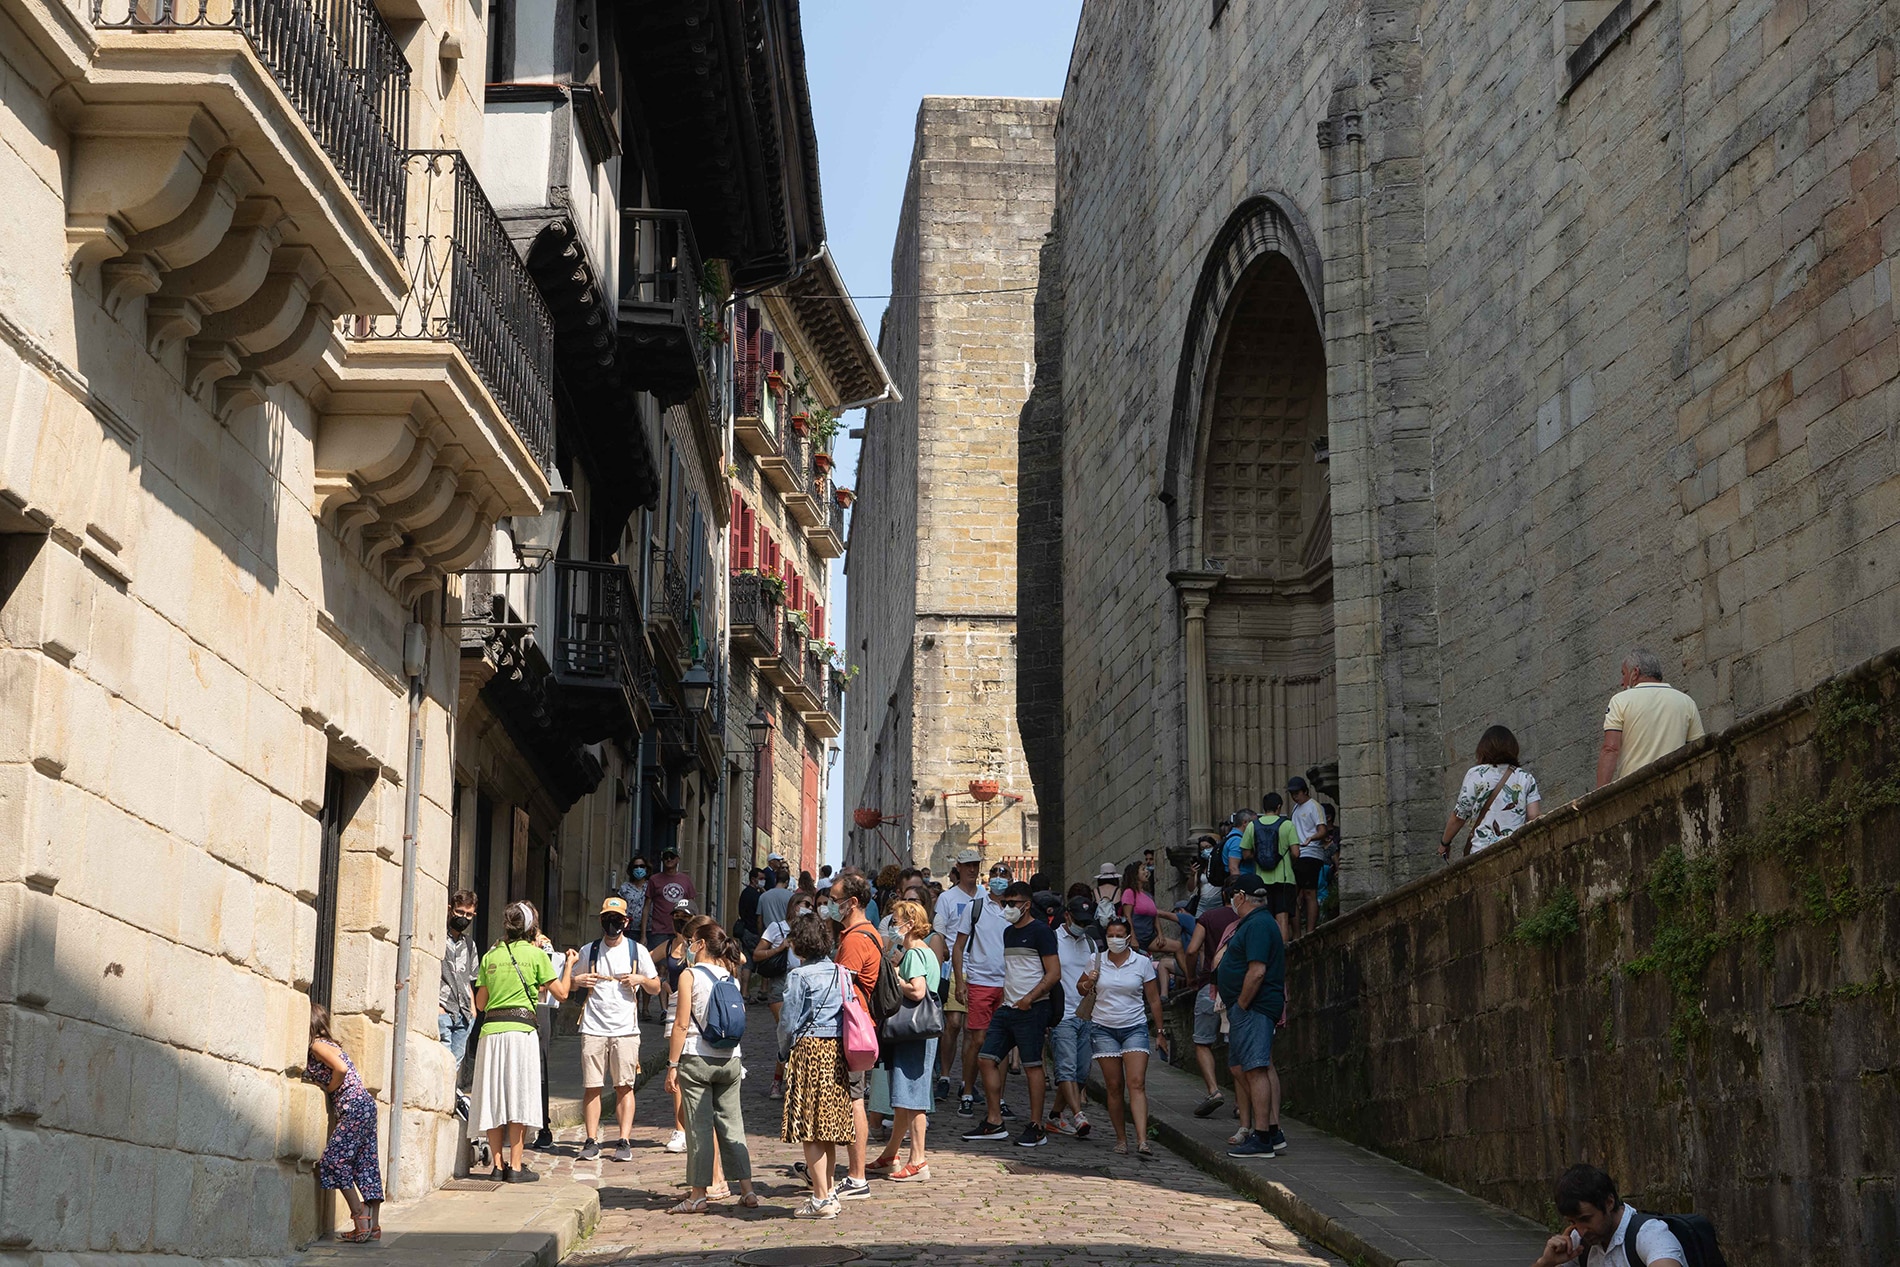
[{"x": 815, "y": 314}]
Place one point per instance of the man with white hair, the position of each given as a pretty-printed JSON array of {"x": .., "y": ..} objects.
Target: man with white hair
[{"x": 1647, "y": 720}]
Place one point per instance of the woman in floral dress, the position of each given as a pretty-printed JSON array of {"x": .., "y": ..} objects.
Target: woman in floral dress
[{"x": 350, "y": 1163}]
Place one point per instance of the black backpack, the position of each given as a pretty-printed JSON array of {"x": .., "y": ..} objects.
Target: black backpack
[
  {"x": 1266, "y": 843},
  {"x": 1694, "y": 1231},
  {"x": 777, "y": 966},
  {"x": 886, "y": 998}
]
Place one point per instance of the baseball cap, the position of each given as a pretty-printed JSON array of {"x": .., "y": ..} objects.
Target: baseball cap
[
  {"x": 775, "y": 856},
  {"x": 1082, "y": 909},
  {"x": 1107, "y": 871},
  {"x": 1296, "y": 784},
  {"x": 1249, "y": 883},
  {"x": 616, "y": 905},
  {"x": 683, "y": 905},
  {"x": 969, "y": 855},
  {"x": 669, "y": 852}
]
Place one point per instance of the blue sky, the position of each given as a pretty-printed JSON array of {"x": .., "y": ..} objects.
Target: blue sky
[{"x": 869, "y": 64}]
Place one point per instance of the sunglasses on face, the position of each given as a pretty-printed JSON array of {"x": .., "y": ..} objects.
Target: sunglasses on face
[{"x": 1012, "y": 906}]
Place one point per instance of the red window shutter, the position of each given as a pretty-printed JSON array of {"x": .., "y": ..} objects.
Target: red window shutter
[
  {"x": 798, "y": 593},
  {"x": 818, "y": 620},
  {"x": 749, "y": 536}
]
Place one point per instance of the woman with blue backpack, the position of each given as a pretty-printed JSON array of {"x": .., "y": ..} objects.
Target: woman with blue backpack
[{"x": 703, "y": 1064}]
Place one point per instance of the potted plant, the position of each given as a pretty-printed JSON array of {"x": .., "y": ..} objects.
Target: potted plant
[
  {"x": 843, "y": 496},
  {"x": 801, "y": 423},
  {"x": 822, "y": 461}
]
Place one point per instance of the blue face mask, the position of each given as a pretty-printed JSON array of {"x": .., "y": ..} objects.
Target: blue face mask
[
  {"x": 998, "y": 885},
  {"x": 639, "y": 873}
]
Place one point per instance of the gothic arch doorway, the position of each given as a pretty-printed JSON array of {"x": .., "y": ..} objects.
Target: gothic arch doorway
[
  {"x": 1266, "y": 523},
  {"x": 1247, "y": 481}
]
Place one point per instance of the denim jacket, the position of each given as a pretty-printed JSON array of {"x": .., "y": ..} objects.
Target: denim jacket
[{"x": 814, "y": 999}]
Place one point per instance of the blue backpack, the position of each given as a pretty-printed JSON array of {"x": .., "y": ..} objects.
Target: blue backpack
[{"x": 724, "y": 1025}]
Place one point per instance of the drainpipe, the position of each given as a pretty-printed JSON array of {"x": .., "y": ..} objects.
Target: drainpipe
[{"x": 415, "y": 663}]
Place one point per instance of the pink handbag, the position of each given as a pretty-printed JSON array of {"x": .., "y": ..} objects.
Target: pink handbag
[{"x": 857, "y": 1035}]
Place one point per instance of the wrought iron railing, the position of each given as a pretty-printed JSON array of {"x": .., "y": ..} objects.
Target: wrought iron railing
[
  {"x": 754, "y": 604},
  {"x": 597, "y": 625},
  {"x": 817, "y": 671},
  {"x": 791, "y": 652},
  {"x": 834, "y": 513},
  {"x": 674, "y": 600},
  {"x": 336, "y": 60},
  {"x": 798, "y": 457},
  {"x": 467, "y": 284},
  {"x": 660, "y": 269}
]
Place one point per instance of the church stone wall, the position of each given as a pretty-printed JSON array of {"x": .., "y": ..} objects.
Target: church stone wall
[{"x": 1610, "y": 352}]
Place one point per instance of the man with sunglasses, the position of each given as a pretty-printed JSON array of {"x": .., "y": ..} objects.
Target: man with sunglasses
[{"x": 1031, "y": 971}]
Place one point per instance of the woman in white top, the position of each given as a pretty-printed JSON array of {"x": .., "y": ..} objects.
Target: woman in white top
[
  {"x": 1123, "y": 1027},
  {"x": 1497, "y": 792},
  {"x": 706, "y": 1076},
  {"x": 775, "y": 946}
]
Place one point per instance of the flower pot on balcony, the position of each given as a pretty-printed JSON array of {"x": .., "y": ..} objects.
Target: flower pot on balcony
[
  {"x": 801, "y": 423},
  {"x": 843, "y": 497},
  {"x": 822, "y": 461}
]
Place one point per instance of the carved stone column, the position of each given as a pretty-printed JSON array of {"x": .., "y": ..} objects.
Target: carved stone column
[{"x": 1195, "y": 590}]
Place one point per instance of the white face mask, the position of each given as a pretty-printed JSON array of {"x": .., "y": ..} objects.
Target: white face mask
[{"x": 1118, "y": 944}]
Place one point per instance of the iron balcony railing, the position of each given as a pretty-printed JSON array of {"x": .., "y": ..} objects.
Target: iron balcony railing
[
  {"x": 817, "y": 672},
  {"x": 468, "y": 285},
  {"x": 754, "y": 606},
  {"x": 660, "y": 270},
  {"x": 597, "y": 625},
  {"x": 834, "y": 513},
  {"x": 338, "y": 63},
  {"x": 791, "y": 652},
  {"x": 675, "y": 601}
]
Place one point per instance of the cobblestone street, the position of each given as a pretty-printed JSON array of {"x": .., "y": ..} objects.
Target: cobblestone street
[{"x": 1066, "y": 1204}]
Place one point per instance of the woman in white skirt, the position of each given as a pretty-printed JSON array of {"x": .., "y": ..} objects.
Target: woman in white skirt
[{"x": 507, "y": 1091}]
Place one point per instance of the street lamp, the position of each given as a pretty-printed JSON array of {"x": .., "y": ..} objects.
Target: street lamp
[
  {"x": 537, "y": 537},
  {"x": 759, "y": 733},
  {"x": 696, "y": 688}
]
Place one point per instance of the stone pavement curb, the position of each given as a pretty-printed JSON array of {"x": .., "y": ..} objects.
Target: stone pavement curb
[
  {"x": 1364, "y": 1207},
  {"x": 477, "y": 1222}
]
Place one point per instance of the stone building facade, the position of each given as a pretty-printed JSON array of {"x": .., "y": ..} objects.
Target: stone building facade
[
  {"x": 1432, "y": 357},
  {"x": 360, "y": 506},
  {"x": 933, "y": 553}
]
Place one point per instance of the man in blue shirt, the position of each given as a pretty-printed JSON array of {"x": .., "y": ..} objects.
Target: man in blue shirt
[{"x": 1252, "y": 983}]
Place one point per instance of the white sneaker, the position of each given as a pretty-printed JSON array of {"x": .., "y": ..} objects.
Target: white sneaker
[
  {"x": 676, "y": 1144},
  {"x": 813, "y": 1208}
]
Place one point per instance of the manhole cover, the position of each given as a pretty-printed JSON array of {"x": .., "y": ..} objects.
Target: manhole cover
[{"x": 799, "y": 1256}]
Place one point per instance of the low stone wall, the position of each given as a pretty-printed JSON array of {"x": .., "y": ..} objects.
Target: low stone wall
[{"x": 1688, "y": 978}]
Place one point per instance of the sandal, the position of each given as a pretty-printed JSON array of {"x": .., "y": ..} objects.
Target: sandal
[
  {"x": 1145, "y": 1152},
  {"x": 361, "y": 1233},
  {"x": 882, "y": 1163},
  {"x": 1121, "y": 1148},
  {"x": 750, "y": 1200},
  {"x": 689, "y": 1205}
]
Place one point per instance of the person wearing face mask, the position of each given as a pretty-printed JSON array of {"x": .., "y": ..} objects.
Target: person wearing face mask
[
  {"x": 614, "y": 971},
  {"x": 977, "y": 959},
  {"x": 633, "y": 891},
  {"x": 1123, "y": 1030},
  {"x": 1076, "y": 949},
  {"x": 1031, "y": 974},
  {"x": 861, "y": 953},
  {"x": 507, "y": 1103},
  {"x": 775, "y": 960},
  {"x": 460, "y": 962}
]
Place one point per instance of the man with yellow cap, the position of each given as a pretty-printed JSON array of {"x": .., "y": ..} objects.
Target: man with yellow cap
[{"x": 612, "y": 970}]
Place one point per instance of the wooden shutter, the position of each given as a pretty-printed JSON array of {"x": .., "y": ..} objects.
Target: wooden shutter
[{"x": 735, "y": 551}]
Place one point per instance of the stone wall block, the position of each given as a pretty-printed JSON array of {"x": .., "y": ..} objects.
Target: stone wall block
[
  {"x": 123, "y": 1184},
  {"x": 51, "y": 604},
  {"x": 156, "y": 1076},
  {"x": 33, "y": 689},
  {"x": 237, "y": 817},
  {"x": 172, "y": 1185},
  {"x": 45, "y": 1189},
  {"x": 210, "y": 698},
  {"x": 362, "y": 901},
  {"x": 237, "y": 916},
  {"x": 25, "y": 1035},
  {"x": 30, "y": 973},
  {"x": 38, "y": 816},
  {"x": 306, "y": 1123},
  {"x": 303, "y": 945},
  {"x": 367, "y": 1041},
  {"x": 274, "y": 924}
]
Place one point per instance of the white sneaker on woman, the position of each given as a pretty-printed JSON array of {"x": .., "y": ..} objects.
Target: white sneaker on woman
[{"x": 676, "y": 1144}]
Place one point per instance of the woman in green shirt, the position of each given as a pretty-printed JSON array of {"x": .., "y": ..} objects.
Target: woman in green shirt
[
  {"x": 507, "y": 1090},
  {"x": 912, "y": 1063}
]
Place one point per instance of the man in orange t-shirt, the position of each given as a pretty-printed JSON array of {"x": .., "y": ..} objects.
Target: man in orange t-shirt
[{"x": 860, "y": 952}]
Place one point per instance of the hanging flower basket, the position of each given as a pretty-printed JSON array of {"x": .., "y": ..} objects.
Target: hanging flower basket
[
  {"x": 983, "y": 790},
  {"x": 867, "y": 819},
  {"x": 843, "y": 497},
  {"x": 822, "y": 461}
]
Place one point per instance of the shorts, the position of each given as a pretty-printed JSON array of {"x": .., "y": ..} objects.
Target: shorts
[
  {"x": 609, "y": 1061},
  {"x": 950, "y": 1003},
  {"x": 1070, "y": 1041},
  {"x": 984, "y": 1000},
  {"x": 774, "y": 991},
  {"x": 1249, "y": 1039},
  {"x": 1306, "y": 872},
  {"x": 657, "y": 944},
  {"x": 1206, "y": 1019},
  {"x": 1013, "y": 1028},
  {"x": 858, "y": 1083},
  {"x": 1112, "y": 1043},
  {"x": 1282, "y": 897}
]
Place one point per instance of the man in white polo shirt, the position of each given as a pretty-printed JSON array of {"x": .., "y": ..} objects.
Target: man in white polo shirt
[
  {"x": 953, "y": 915},
  {"x": 613, "y": 970},
  {"x": 1647, "y": 720}
]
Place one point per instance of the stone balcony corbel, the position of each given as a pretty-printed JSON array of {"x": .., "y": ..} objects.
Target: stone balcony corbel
[{"x": 415, "y": 459}]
